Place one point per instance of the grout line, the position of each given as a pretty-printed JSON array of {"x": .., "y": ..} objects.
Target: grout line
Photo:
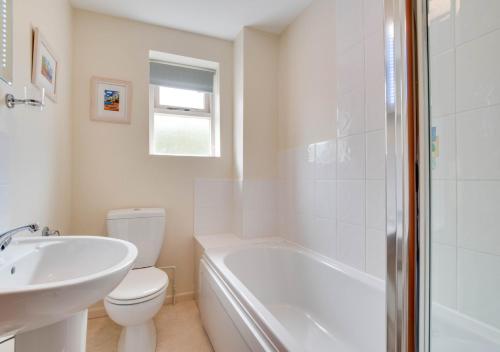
[
  {"x": 476, "y": 180},
  {"x": 365, "y": 73},
  {"x": 443, "y": 116},
  {"x": 476, "y": 251},
  {"x": 482, "y": 107},
  {"x": 456, "y": 152},
  {"x": 468, "y": 41},
  {"x": 458, "y": 247}
]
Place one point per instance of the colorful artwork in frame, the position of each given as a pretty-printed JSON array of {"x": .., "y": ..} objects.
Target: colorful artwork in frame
[
  {"x": 110, "y": 100},
  {"x": 45, "y": 65}
]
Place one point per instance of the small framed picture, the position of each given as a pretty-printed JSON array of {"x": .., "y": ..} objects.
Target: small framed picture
[
  {"x": 110, "y": 100},
  {"x": 45, "y": 66}
]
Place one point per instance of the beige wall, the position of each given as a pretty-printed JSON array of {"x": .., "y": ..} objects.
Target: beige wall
[
  {"x": 239, "y": 105},
  {"x": 255, "y": 104},
  {"x": 307, "y": 79},
  {"x": 255, "y": 132},
  {"x": 35, "y": 146},
  {"x": 111, "y": 164},
  {"x": 261, "y": 107}
]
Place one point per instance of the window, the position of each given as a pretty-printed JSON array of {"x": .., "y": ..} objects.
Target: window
[{"x": 183, "y": 118}]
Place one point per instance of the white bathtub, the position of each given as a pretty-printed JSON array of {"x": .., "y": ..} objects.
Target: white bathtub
[{"x": 279, "y": 297}]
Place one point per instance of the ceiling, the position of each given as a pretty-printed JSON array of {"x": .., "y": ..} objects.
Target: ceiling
[{"x": 217, "y": 18}]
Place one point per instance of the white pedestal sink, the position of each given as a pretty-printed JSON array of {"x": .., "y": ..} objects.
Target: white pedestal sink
[{"x": 45, "y": 280}]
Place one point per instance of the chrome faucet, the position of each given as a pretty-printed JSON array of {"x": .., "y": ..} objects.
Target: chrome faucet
[
  {"x": 46, "y": 232},
  {"x": 6, "y": 237}
]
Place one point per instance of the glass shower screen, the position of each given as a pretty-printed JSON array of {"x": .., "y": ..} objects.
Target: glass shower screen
[{"x": 464, "y": 137}]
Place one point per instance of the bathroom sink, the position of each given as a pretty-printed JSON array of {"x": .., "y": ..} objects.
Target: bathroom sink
[{"x": 44, "y": 280}]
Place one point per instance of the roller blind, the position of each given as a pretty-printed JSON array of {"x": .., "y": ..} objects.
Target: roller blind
[{"x": 181, "y": 77}]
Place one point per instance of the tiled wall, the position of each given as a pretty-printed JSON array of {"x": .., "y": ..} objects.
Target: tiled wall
[
  {"x": 465, "y": 113},
  {"x": 332, "y": 193},
  {"x": 258, "y": 211},
  {"x": 247, "y": 208},
  {"x": 213, "y": 206}
]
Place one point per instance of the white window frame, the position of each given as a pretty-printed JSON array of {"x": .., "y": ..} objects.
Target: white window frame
[
  {"x": 182, "y": 110},
  {"x": 179, "y": 111},
  {"x": 213, "y": 104}
]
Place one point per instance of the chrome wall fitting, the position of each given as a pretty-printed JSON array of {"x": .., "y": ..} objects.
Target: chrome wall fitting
[{"x": 11, "y": 102}]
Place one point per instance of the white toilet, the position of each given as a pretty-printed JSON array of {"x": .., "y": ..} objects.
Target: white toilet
[{"x": 140, "y": 296}]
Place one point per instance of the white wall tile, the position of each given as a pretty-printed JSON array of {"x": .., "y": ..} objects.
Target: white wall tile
[
  {"x": 325, "y": 199},
  {"x": 375, "y": 155},
  {"x": 351, "y": 245},
  {"x": 351, "y": 112},
  {"x": 478, "y": 72},
  {"x": 478, "y": 215},
  {"x": 351, "y": 157},
  {"x": 444, "y": 274},
  {"x": 441, "y": 26},
  {"x": 350, "y": 70},
  {"x": 479, "y": 285},
  {"x": 445, "y": 159},
  {"x": 213, "y": 192},
  {"x": 259, "y": 194},
  {"x": 304, "y": 162},
  {"x": 351, "y": 202},
  {"x": 349, "y": 23},
  {"x": 303, "y": 230},
  {"x": 326, "y": 160},
  {"x": 465, "y": 93},
  {"x": 312, "y": 211},
  {"x": 478, "y": 144},
  {"x": 376, "y": 253},
  {"x": 259, "y": 223},
  {"x": 442, "y": 84},
  {"x": 475, "y": 18},
  {"x": 304, "y": 197},
  {"x": 375, "y": 81},
  {"x": 373, "y": 16},
  {"x": 444, "y": 212},
  {"x": 213, "y": 206},
  {"x": 212, "y": 220},
  {"x": 324, "y": 239},
  {"x": 375, "y": 205},
  {"x": 259, "y": 208}
]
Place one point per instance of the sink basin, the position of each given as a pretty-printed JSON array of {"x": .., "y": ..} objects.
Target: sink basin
[{"x": 44, "y": 280}]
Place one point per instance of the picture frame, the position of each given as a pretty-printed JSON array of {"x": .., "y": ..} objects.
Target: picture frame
[
  {"x": 111, "y": 100},
  {"x": 45, "y": 65}
]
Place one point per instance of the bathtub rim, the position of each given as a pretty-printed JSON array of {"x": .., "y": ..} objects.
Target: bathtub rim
[
  {"x": 270, "y": 326},
  {"x": 246, "y": 308}
]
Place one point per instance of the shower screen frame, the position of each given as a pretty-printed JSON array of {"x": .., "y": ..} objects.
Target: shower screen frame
[{"x": 408, "y": 182}]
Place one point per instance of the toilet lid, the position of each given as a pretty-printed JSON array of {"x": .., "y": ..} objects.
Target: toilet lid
[{"x": 140, "y": 283}]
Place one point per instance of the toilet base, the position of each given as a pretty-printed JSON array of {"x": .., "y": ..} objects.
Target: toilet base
[{"x": 138, "y": 338}]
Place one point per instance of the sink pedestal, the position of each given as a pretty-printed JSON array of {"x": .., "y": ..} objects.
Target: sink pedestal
[{"x": 65, "y": 336}]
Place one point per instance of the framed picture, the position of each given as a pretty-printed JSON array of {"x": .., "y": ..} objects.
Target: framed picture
[
  {"x": 110, "y": 100},
  {"x": 45, "y": 65}
]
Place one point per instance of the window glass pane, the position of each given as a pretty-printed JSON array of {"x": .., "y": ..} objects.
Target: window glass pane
[
  {"x": 182, "y": 98},
  {"x": 181, "y": 135}
]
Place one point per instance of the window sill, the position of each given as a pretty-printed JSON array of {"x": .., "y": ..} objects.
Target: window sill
[{"x": 186, "y": 156}]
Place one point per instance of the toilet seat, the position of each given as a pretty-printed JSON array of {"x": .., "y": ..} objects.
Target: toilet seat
[{"x": 140, "y": 285}]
